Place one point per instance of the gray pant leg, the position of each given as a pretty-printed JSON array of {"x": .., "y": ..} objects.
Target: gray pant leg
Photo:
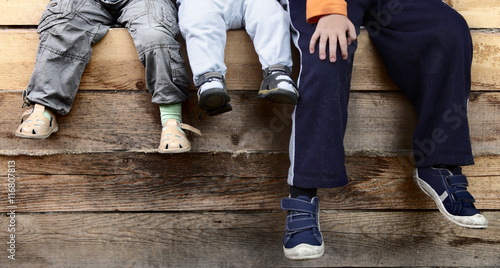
[
  {"x": 68, "y": 29},
  {"x": 153, "y": 26}
]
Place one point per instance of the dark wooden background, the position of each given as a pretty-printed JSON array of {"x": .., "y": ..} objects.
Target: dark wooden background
[{"x": 97, "y": 194}]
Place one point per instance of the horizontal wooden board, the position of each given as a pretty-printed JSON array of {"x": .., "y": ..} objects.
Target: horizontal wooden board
[
  {"x": 244, "y": 165},
  {"x": 217, "y": 182},
  {"x": 380, "y": 124},
  {"x": 21, "y": 12},
  {"x": 478, "y": 13},
  {"x": 18, "y": 51},
  {"x": 240, "y": 239}
]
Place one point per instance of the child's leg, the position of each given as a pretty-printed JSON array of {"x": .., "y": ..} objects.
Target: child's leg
[
  {"x": 154, "y": 32},
  {"x": 62, "y": 56},
  {"x": 203, "y": 26},
  {"x": 153, "y": 27},
  {"x": 64, "y": 52},
  {"x": 427, "y": 49},
  {"x": 320, "y": 117},
  {"x": 268, "y": 25},
  {"x": 316, "y": 143}
]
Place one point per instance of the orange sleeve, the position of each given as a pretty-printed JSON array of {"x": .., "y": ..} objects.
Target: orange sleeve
[{"x": 317, "y": 8}]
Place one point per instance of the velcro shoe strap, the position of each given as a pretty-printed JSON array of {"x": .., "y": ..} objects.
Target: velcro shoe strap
[
  {"x": 190, "y": 128},
  {"x": 301, "y": 224},
  {"x": 298, "y": 205},
  {"x": 206, "y": 77},
  {"x": 277, "y": 67},
  {"x": 457, "y": 180},
  {"x": 463, "y": 195}
]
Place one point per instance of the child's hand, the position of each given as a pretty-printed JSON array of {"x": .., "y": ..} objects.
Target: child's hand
[{"x": 333, "y": 28}]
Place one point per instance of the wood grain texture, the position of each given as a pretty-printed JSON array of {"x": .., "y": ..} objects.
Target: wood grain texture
[
  {"x": 218, "y": 182},
  {"x": 478, "y": 13},
  {"x": 18, "y": 51},
  {"x": 380, "y": 123},
  {"x": 21, "y": 12},
  {"x": 242, "y": 239}
]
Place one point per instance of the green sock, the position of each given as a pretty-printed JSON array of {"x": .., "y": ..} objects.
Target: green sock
[
  {"x": 171, "y": 111},
  {"x": 46, "y": 114}
]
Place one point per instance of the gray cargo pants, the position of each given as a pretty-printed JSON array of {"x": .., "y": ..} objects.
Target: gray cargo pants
[{"x": 68, "y": 29}]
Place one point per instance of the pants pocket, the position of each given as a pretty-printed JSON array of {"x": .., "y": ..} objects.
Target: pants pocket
[
  {"x": 180, "y": 76},
  {"x": 57, "y": 11}
]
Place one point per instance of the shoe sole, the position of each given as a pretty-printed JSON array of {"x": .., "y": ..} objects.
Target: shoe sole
[
  {"x": 36, "y": 136},
  {"x": 278, "y": 95},
  {"x": 477, "y": 221},
  {"x": 304, "y": 252},
  {"x": 173, "y": 151},
  {"x": 212, "y": 99}
]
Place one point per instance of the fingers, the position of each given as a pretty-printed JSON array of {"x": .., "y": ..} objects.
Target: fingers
[
  {"x": 322, "y": 41},
  {"x": 333, "y": 48},
  {"x": 351, "y": 34},
  {"x": 312, "y": 43},
  {"x": 332, "y": 32},
  {"x": 346, "y": 40},
  {"x": 343, "y": 46},
  {"x": 322, "y": 47}
]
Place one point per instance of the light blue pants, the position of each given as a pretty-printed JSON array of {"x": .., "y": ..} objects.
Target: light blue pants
[{"x": 203, "y": 24}]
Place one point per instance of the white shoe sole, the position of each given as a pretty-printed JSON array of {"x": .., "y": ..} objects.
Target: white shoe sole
[
  {"x": 475, "y": 221},
  {"x": 304, "y": 252}
]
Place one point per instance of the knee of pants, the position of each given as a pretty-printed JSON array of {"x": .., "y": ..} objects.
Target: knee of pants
[
  {"x": 266, "y": 11},
  {"x": 65, "y": 39},
  {"x": 152, "y": 37},
  {"x": 204, "y": 16},
  {"x": 452, "y": 29}
]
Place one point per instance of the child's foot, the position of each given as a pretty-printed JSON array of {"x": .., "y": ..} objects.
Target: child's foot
[
  {"x": 173, "y": 139},
  {"x": 278, "y": 86},
  {"x": 448, "y": 188},
  {"x": 212, "y": 94},
  {"x": 303, "y": 239},
  {"x": 37, "y": 123}
]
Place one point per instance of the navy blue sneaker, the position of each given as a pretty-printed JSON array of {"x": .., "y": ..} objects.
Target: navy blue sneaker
[
  {"x": 448, "y": 188},
  {"x": 302, "y": 238}
]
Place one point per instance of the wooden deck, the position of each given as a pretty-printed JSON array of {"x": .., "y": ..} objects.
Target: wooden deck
[{"x": 96, "y": 194}]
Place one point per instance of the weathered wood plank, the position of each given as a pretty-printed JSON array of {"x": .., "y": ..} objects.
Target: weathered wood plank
[
  {"x": 208, "y": 182},
  {"x": 485, "y": 64},
  {"x": 18, "y": 49},
  {"x": 18, "y": 54},
  {"x": 352, "y": 238},
  {"x": 380, "y": 123},
  {"x": 21, "y": 12},
  {"x": 479, "y": 13},
  {"x": 244, "y": 165}
]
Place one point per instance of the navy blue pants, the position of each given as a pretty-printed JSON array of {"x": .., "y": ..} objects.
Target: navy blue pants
[{"x": 427, "y": 50}]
